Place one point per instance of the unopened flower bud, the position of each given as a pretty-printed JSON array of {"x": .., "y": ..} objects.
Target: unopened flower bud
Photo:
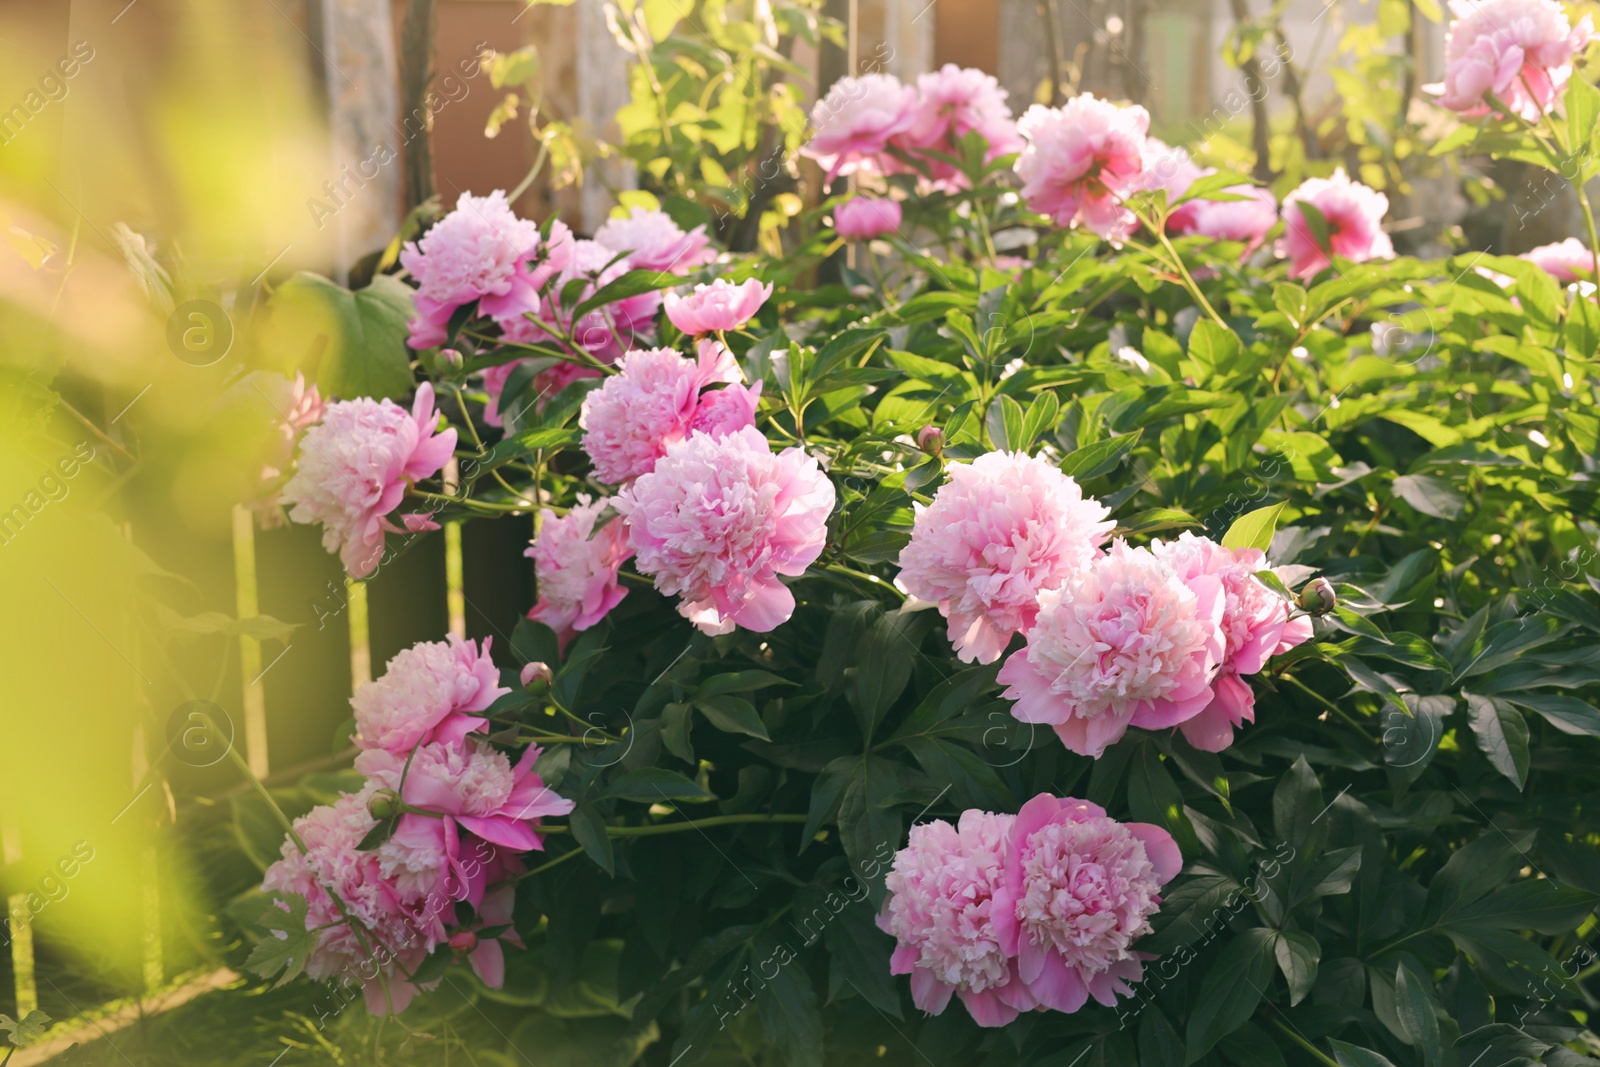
[
  {"x": 931, "y": 440},
  {"x": 536, "y": 675},
  {"x": 464, "y": 941},
  {"x": 383, "y": 804},
  {"x": 1317, "y": 597},
  {"x": 450, "y": 360}
]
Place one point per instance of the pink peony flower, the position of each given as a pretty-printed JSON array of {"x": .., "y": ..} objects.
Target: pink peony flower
[
  {"x": 428, "y": 692},
  {"x": 853, "y": 124},
  {"x": 1246, "y": 220},
  {"x": 1564, "y": 261},
  {"x": 654, "y": 242},
  {"x": 720, "y": 518},
  {"x": 1079, "y": 889},
  {"x": 862, "y": 218},
  {"x": 940, "y": 910},
  {"x": 467, "y": 786},
  {"x": 1129, "y": 643},
  {"x": 951, "y": 103},
  {"x": 1354, "y": 214},
  {"x": 355, "y": 466},
  {"x": 406, "y": 923},
  {"x": 1255, "y": 623},
  {"x": 299, "y": 406},
  {"x": 718, "y": 307},
  {"x": 1521, "y": 51},
  {"x": 1001, "y": 531},
  {"x": 631, "y": 419},
  {"x": 484, "y": 953},
  {"x": 1082, "y": 160},
  {"x": 727, "y": 410},
  {"x": 1171, "y": 169},
  {"x": 577, "y": 567},
  {"x": 479, "y": 251}
]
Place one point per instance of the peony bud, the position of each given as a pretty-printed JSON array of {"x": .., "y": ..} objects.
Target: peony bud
[
  {"x": 862, "y": 218},
  {"x": 1317, "y": 597},
  {"x": 536, "y": 674},
  {"x": 931, "y": 440},
  {"x": 450, "y": 361},
  {"x": 383, "y": 804},
  {"x": 464, "y": 941}
]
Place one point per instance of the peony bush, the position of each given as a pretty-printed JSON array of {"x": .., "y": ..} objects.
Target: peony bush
[{"x": 1044, "y": 463}]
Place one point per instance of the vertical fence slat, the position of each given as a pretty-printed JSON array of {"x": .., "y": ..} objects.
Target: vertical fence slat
[
  {"x": 247, "y": 606},
  {"x": 23, "y": 983}
]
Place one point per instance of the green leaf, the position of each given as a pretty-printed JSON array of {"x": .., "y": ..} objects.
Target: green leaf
[
  {"x": 1350, "y": 1055},
  {"x": 660, "y": 16},
  {"x": 1230, "y": 990},
  {"x": 858, "y": 959},
  {"x": 1297, "y": 806},
  {"x": 676, "y": 723},
  {"x": 1567, "y": 714},
  {"x": 29, "y": 1029},
  {"x": 1430, "y": 495},
  {"x": 732, "y": 715},
  {"x": 1416, "y": 1012},
  {"x": 885, "y": 657},
  {"x": 1253, "y": 529},
  {"x": 633, "y": 283},
  {"x": 380, "y": 832},
  {"x": 283, "y": 956},
  {"x": 1314, "y": 224},
  {"x": 1582, "y": 103},
  {"x": 589, "y": 830},
  {"x": 1297, "y": 954},
  {"x": 1213, "y": 348},
  {"x": 356, "y": 340},
  {"x": 651, "y": 785},
  {"x": 1502, "y": 735},
  {"x": 1101, "y": 457},
  {"x": 1004, "y": 422},
  {"x": 790, "y": 1017},
  {"x": 739, "y": 682},
  {"x": 1041, "y": 417}
]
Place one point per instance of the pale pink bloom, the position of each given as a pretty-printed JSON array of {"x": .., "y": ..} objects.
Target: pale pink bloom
[
  {"x": 1521, "y": 51},
  {"x": 1564, "y": 261},
  {"x": 1128, "y": 643},
  {"x": 951, "y": 103},
  {"x": 654, "y": 242},
  {"x": 431, "y": 691},
  {"x": 1082, "y": 160},
  {"x": 577, "y": 567},
  {"x": 604, "y": 333},
  {"x": 468, "y": 787},
  {"x": 940, "y": 910},
  {"x": 1255, "y": 626},
  {"x": 727, "y": 410},
  {"x": 853, "y": 124},
  {"x": 1247, "y": 220},
  {"x": 1354, "y": 213},
  {"x": 406, "y": 922},
  {"x": 354, "y": 468},
  {"x": 719, "y": 519},
  {"x": 299, "y": 407},
  {"x": 1078, "y": 891},
  {"x": 1172, "y": 169},
  {"x": 647, "y": 405},
  {"x": 718, "y": 307},
  {"x": 863, "y": 218},
  {"x": 1001, "y": 531},
  {"x": 479, "y": 251}
]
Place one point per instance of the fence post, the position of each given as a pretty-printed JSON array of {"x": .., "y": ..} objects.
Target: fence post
[{"x": 26, "y": 989}]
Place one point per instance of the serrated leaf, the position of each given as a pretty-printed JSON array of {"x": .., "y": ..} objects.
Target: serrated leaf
[{"x": 283, "y": 956}]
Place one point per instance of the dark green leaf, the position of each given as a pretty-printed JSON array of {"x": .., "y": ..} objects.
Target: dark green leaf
[
  {"x": 732, "y": 715},
  {"x": 1230, "y": 990},
  {"x": 1502, "y": 735}
]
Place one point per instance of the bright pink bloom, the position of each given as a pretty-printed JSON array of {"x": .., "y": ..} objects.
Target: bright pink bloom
[
  {"x": 475, "y": 789},
  {"x": 1079, "y": 889},
  {"x": 1521, "y": 51},
  {"x": 862, "y": 218},
  {"x": 654, "y": 242},
  {"x": 1246, "y": 220},
  {"x": 648, "y": 404},
  {"x": 940, "y": 910},
  {"x": 355, "y": 466},
  {"x": 951, "y": 103},
  {"x": 720, "y": 518},
  {"x": 406, "y": 922},
  {"x": 1130, "y": 643},
  {"x": 718, "y": 307},
  {"x": 1564, "y": 261},
  {"x": 431, "y": 691},
  {"x": 1254, "y": 624},
  {"x": 1082, "y": 161},
  {"x": 479, "y": 251},
  {"x": 1171, "y": 169},
  {"x": 577, "y": 567},
  {"x": 727, "y": 410},
  {"x": 853, "y": 124},
  {"x": 1001, "y": 531},
  {"x": 1354, "y": 214}
]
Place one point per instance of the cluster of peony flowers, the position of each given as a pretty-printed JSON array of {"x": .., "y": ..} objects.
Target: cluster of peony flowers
[
  {"x": 705, "y": 506},
  {"x": 1153, "y": 637},
  {"x": 464, "y": 814},
  {"x": 1036, "y": 911},
  {"x": 876, "y": 125},
  {"x": 355, "y": 465},
  {"x": 1519, "y": 52}
]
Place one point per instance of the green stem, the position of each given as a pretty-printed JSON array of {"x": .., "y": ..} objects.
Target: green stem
[
  {"x": 1324, "y": 701},
  {"x": 1176, "y": 261},
  {"x": 1294, "y": 1036},
  {"x": 652, "y": 829},
  {"x": 877, "y": 583}
]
